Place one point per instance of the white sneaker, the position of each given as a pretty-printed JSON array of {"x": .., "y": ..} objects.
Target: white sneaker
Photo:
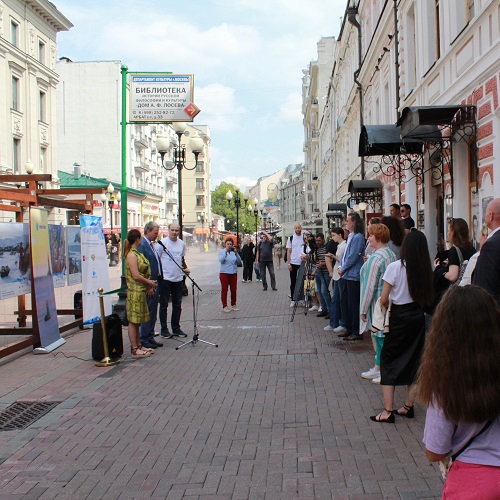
[
  {"x": 243, "y": 281},
  {"x": 340, "y": 329},
  {"x": 292, "y": 303},
  {"x": 319, "y": 309},
  {"x": 234, "y": 308},
  {"x": 371, "y": 373},
  {"x": 329, "y": 328},
  {"x": 313, "y": 308},
  {"x": 376, "y": 380},
  {"x": 226, "y": 309}
]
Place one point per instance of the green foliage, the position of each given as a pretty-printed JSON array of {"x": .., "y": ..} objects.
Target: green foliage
[{"x": 220, "y": 206}]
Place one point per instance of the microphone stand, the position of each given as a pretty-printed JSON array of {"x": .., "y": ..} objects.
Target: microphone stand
[{"x": 196, "y": 337}]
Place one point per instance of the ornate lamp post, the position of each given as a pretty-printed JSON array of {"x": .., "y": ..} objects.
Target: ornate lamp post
[
  {"x": 179, "y": 158},
  {"x": 201, "y": 218},
  {"x": 109, "y": 197},
  {"x": 237, "y": 203},
  {"x": 256, "y": 215}
]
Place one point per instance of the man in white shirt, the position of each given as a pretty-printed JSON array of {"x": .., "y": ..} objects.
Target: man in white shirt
[
  {"x": 171, "y": 251},
  {"x": 293, "y": 253}
]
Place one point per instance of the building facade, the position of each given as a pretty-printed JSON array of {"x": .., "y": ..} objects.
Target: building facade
[
  {"x": 412, "y": 107},
  {"x": 28, "y": 81}
]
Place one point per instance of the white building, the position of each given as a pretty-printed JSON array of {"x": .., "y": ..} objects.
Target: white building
[{"x": 28, "y": 80}]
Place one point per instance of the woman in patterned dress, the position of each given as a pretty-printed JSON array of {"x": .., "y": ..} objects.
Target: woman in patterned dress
[{"x": 137, "y": 274}]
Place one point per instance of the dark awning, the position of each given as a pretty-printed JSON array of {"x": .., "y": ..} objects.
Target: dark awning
[
  {"x": 364, "y": 186},
  {"x": 415, "y": 117},
  {"x": 336, "y": 210},
  {"x": 380, "y": 140}
]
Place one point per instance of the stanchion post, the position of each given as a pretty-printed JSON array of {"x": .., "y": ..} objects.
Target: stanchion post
[{"x": 106, "y": 361}]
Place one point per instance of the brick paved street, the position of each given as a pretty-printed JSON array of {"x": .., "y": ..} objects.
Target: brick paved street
[{"x": 279, "y": 410}]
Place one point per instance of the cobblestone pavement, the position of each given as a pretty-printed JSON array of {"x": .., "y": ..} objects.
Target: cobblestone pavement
[{"x": 278, "y": 410}]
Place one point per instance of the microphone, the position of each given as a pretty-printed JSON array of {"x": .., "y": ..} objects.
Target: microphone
[{"x": 164, "y": 247}]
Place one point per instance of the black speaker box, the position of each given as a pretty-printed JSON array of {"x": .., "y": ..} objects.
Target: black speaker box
[{"x": 113, "y": 334}]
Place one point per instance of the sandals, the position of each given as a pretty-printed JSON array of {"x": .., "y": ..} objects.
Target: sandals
[
  {"x": 389, "y": 420},
  {"x": 410, "y": 412},
  {"x": 139, "y": 352},
  {"x": 147, "y": 349}
]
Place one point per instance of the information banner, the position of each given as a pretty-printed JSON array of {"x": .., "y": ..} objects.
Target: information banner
[
  {"x": 15, "y": 261},
  {"x": 57, "y": 238},
  {"x": 95, "y": 268},
  {"x": 43, "y": 299},
  {"x": 157, "y": 97},
  {"x": 74, "y": 255}
]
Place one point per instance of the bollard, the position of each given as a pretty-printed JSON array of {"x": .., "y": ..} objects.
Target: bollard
[{"x": 106, "y": 361}]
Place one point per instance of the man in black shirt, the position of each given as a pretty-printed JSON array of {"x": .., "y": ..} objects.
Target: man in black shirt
[
  {"x": 264, "y": 257},
  {"x": 406, "y": 219}
]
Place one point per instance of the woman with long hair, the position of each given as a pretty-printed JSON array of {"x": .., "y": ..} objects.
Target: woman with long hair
[
  {"x": 459, "y": 380},
  {"x": 461, "y": 250},
  {"x": 408, "y": 283},
  {"x": 371, "y": 288},
  {"x": 396, "y": 231},
  {"x": 137, "y": 274}
]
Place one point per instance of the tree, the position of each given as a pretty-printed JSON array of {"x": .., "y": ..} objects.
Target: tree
[{"x": 220, "y": 206}]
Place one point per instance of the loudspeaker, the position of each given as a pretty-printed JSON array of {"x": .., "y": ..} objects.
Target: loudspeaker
[
  {"x": 78, "y": 304},
  {"x": 113, "y": 334}
]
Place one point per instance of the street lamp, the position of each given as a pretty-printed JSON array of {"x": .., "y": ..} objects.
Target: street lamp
[
  {"x": 256, "y": 215},
  {"x": 179, "y": 158},
  {"x": 201, "y": 218},
  {"x": 109, "y": 197},
  {"x": 237, "y": 204}
]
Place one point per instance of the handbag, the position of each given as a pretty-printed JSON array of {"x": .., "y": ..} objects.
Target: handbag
[
  {"x": 446, "y": 463},
  {"x": 462, "y": 267}
]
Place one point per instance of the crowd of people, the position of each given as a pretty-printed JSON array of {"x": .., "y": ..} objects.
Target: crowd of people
[{"x": 431, "y": 332}]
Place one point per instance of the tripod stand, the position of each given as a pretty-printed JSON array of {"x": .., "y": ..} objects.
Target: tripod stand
[
  {"x": 303, "y": 285},
  {"x": 196, "y": 337}
]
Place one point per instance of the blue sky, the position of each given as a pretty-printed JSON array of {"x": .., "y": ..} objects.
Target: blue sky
[{"x": 247, "y": 57}]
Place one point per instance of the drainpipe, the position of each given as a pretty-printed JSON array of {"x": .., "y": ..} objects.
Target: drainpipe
[
  {"x": 398, "y": 97},
  {"x": 351, "y": 17}
]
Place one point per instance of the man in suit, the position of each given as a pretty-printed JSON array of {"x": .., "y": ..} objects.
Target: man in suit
[
  {"x": 487, "y": 272},
  {"x": 147, "y": 335}
]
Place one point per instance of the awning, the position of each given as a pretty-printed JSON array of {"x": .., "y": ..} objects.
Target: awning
[
  {"x": 202, "y": 230},
  {"x": 379, "y": 140},
  {"x": 364, "y": 186},
  {"x": 336, "y": 210},
  {"x": 413, "y": 118}
]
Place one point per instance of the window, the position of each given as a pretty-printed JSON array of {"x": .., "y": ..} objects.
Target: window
[
  {"x": 41, "y": 51},
  {"x": 15, "y": 93},
  {"x": 470, "y": 4},
  {"x": 411, "y": 52},
  {"x": 200, "y": 184},
  {"x": 42, "y": 106},
  {"x": 72, "y": 218},
  {"x": 43, "y": 159},
  {"x": 16, "y": 149},
  {"x": 200, "y": 167},
  {"x": 14, "y": 33},
  {"x": 438, "y": 32},
  {"x": 200, "y": 201}
]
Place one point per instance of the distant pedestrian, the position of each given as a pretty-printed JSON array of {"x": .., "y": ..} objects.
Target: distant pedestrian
[
  {"x": 248, "y": 258},
  {"x": 322, "y": 277},
  {"x": 264, "y": 257},
  {"x": 395, "y": 210},
  {"x": 229, "y": 258},
  {"x": 278, "y": 253}
]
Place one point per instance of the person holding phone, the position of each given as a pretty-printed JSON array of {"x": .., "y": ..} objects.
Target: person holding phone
[{"x": 228, "y": 258}]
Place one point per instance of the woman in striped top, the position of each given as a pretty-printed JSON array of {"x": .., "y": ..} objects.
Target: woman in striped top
[{"x": 371, "y": 288}]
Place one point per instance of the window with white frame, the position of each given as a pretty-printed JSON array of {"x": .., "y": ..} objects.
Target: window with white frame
[
  {"x": 15, "y": 93},
  {"x": 16, "y": 155},
  {"x": 41, "y": 51},
  {"x": 42, "y": 106},
  {"x": 14, "y": 33},
  {"x": 410, "y": 51}
]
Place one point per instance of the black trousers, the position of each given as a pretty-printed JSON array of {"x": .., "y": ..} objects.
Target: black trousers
[{"x": 247, "y": 269}]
